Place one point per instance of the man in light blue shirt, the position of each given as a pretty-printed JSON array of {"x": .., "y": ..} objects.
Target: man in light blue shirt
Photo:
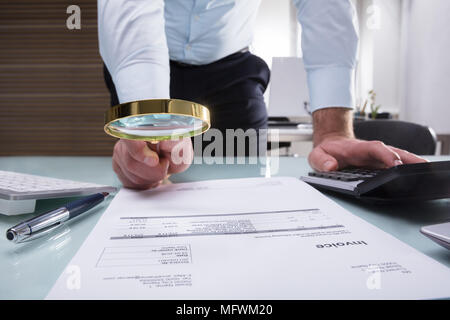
[{"x": 155, "y": 49}]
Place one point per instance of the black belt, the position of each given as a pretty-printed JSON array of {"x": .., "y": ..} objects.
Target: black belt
[{"x": 182, "y": 64}]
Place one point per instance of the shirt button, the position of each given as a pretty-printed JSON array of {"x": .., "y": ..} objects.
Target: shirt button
[
  {"x": 188, "y": 47},
  {"x": 196, "y": 17}
]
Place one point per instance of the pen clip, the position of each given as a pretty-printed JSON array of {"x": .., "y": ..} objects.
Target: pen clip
[{"x": 40, "y": 233}]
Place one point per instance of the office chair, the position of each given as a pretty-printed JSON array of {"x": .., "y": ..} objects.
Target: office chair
[{"x": 409, "y": 136}]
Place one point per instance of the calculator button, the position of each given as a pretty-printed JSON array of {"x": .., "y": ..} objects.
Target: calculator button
[{"x": 350, "y": 174}]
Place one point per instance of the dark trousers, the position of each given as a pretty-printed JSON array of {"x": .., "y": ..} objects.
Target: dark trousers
[{"x": 232, "y": 88}]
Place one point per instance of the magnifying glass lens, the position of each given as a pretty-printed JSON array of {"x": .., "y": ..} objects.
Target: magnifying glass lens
[
  {"x": 157, "y": 120},
  {"x": 157, "y": 125}
]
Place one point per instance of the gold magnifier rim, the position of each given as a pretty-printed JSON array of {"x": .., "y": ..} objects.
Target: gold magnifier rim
[{"x": 157, "y": 106}]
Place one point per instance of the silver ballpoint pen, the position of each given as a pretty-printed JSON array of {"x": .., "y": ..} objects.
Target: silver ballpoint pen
[{"x": 47, "y": 222}]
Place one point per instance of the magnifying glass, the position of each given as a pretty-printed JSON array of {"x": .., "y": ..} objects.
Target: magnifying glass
[{"x": 157, "y": 120}]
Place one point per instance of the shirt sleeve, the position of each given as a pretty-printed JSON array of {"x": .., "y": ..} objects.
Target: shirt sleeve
[
  {"x": 132, "y": 43},
  {"x": 329, "y": 44}
]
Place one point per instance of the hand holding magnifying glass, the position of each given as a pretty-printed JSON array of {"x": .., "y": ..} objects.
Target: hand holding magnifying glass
[{"x": 155, "y": 139}]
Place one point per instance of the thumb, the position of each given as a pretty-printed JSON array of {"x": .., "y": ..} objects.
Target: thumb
[
  {"x": 141, "y": 152},
  {"x": 321, "y": 161}
]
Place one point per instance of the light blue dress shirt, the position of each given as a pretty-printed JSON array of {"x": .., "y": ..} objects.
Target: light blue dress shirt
[{"x": 138, "y": 37}]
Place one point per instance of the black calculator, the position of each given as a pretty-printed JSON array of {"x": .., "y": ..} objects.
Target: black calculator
[{"x": 420, "y": 181}]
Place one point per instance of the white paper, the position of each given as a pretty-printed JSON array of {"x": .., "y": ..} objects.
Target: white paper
[{"x": 256, "y": 238}]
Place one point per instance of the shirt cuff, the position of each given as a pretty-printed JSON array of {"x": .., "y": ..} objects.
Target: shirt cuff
[
  {"x": 142, "y": 81},
  {"x": 331, "y": 87}
]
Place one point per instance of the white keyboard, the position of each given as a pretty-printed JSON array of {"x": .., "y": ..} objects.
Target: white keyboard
[{"x": 19, "y": 191}]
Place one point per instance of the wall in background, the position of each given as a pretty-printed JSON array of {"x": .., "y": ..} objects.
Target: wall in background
[
  {"x": 277, "y": 34},
  {"x": 276, "y": 30},
  {"x": 386, "y": 62},
  {"x": 379, "y": 67},
  {"x": 425, "y": 98},
  {"x": 52, "y": 95}
]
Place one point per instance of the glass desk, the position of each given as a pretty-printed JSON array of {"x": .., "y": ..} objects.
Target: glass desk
[{"x": 28, "y": 271}]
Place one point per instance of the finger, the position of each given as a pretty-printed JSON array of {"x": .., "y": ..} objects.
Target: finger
[
  {"x": 320, "y": 160},
  {"x": 168, "y": 145},
  {"x": 376, "y": 150},
  {"x": 179, "y": 153},
  {"x": 164, "y": 163},
  {"x": 142, "y": 171},
  {"x": 128, "y": 178},
  {"x": 126, "y": 182},
  {"x": 181, "y": 156},
  {"x": 408, "y": 157},
  {"x": 164, "y": 147},
  {"x": 138, "y": 172},
  {"x": 156, "y": 184},
  {"x": 120, "y": 174},
  {"x": 141, "y": 152}
]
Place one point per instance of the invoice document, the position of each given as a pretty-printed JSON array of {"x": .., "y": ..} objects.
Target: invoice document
[{"x": 257, "y": 238}]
